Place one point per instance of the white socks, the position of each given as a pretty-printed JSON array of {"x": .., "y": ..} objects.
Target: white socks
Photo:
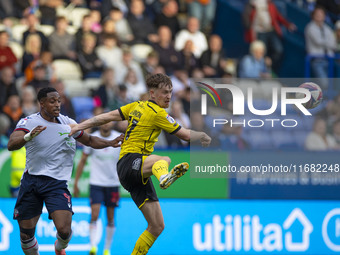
[
  {"x": 110, "y": 230},
  {"x": 62, "y": 243},
  {"x": 30, "y": 246}
]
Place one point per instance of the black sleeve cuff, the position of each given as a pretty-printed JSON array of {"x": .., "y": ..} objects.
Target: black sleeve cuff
[
  {"x": 121, "y": 114},
  {"x": 176, "y": 130}
]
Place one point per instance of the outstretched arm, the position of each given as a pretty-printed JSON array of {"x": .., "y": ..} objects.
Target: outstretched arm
[
  {"x": 99, "y": 143},
  {"x": 96, "y": 121},
  {"x": 19, "y": 138},
  {"x": 191, "y": 135}
]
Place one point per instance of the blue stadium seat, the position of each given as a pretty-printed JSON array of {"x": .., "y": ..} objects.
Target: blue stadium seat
[{"x": 83, "y": 107}]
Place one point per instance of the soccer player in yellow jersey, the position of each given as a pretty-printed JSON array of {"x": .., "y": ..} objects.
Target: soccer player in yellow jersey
[{"x": 136, "y": 164}]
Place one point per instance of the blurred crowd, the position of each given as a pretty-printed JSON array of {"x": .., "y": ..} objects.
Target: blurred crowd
[{"x": 120, "y": 42}]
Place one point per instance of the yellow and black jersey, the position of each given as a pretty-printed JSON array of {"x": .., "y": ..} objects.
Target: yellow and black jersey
[{"x": 146, "y": 121}]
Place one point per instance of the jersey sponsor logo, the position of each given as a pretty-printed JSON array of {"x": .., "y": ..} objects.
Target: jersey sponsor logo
[
  {"x": 170, "y": 119},
  {"x": 136, "y": 164},
  {"x": 61, "y": 134}
]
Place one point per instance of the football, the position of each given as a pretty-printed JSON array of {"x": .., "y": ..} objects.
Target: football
[{"x": 316, "y": 94}]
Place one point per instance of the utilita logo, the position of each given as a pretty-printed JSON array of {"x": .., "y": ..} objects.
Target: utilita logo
[{"x": 239, "y": 105}]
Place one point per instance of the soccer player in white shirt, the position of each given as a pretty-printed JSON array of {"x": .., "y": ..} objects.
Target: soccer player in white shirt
[
  {"x": 49, "y": 161},
  {"x": 104, "y": 184}
]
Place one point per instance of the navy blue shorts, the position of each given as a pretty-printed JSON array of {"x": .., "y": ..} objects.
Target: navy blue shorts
[
  {"x": 37, "y": 189},
  {"x": 107, "y": 195}
]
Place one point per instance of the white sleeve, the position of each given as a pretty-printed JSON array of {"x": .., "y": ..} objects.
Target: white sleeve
[{"x": 26, "y": 124}]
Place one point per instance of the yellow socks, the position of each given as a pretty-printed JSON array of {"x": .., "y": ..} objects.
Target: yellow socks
[
  {"x": 144, "y": 242},
  {"x": 160, "y": 168}
]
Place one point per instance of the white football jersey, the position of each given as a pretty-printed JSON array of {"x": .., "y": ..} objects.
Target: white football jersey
[
  {"x": 103, "y": 162},
  {"x": 50, "y": 153}
]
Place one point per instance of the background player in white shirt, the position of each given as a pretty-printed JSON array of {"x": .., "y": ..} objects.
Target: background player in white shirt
[
  {"x": 104, "y": 184},
  {"x": 49, "y": 161}
]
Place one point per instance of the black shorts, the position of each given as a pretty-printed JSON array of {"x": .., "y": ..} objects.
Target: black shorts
[
  {"x": 107, "y": 195},
  {"x": 129, "y": 170},
  {"x": 37, "y": 189}
]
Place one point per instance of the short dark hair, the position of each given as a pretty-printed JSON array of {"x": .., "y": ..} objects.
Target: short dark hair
[
  {"x": 158, "y": 80},
  {"x": 44, "y": 91}
]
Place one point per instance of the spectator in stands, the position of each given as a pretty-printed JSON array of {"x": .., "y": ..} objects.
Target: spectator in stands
[
  {"x": 62, "y": 44},
  {"x": 151, "y": 62},
  {"x": 255, "y": 65},
  {"x": 320, "y": 42},
  {"x": 318, "y": 139},
  {"x": 4, "y": 130},
  {"x": 32, "y": 50},
  {"x": 108, "y": 89},
  {"x": 109, "y": 51},
  {"x": 158, "y": 69},
  {"x": 86, "y": 25},
  {"x": 29, "y": 101},
  {"x": 33, "y": 22},
  {"x": 142, "y": 28},
  {"x": 90, "y": 64},
  {"x": 48, "y": 11},
  {"x": 45, "y": 60},
  {"x": 168, "y": 17},
  {"x": 13, "y": 110},
  {"x": 332, "y": 7},
  {"x": 212, "y": 60},
  {"x": 185, "y": 100},
  {"x": 121, "y": 98},
  {"x": 169, "y": 58},
  {"x": 192, "y": 33},
  {"x": 7, "y": 85},
  {"x": 96, "y": 18},
  {"x": 123, "y": 29},
  {"x": 125, "y": 64},
  {"x": 180, "y": 81},
  {"x": 135, "y": 87},
  {"x": 262, "y": 21},
  {"x": 66, "y": 107},
  {"x": 7, "y": 57},
  {"x": 39, "y": 78},
  {"x": 109, "y": 27},
  {"x": 176, "y": 111},
  {"x": 188, "y": 61},
  {"x": 204, "y": 11}
]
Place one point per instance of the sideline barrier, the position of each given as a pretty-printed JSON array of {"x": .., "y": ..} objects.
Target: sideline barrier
[{"x": 199, "y": 227}]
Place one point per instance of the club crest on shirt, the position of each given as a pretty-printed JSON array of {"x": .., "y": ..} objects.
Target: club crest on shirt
[
  {"x": 136, "y": 164},
  {"x": 170, "y": 119},
  {"x": 22, "y": 122}
]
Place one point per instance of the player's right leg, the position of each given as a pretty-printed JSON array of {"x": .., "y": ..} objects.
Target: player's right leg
[
  {"x": 158, "y": 166},
  {"x": 153, "y": 214},
  {"x": 29, "y": 243},
  {"x": 27, "y": 211}
]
